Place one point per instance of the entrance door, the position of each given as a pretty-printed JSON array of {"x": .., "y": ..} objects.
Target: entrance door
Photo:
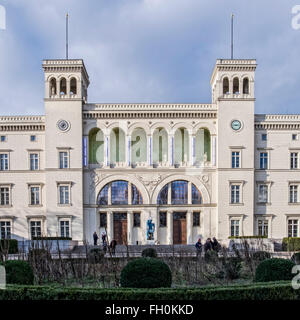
[
  {"x": 179, "y": 228},
  {"x": 120, "y": 227}
]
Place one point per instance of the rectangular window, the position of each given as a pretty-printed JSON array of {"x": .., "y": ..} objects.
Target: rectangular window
[
  {"x": 196, "y": 219},
  {"x": 263, "y": 193},
  {"x": 4, "y": 196},
  {"x": 3, "y": 161},
  {"x": 263, "y": 162},
  {"x": 235, "y": 194},
  {"x": 103, "y": 220},
  {"x": 162, "y": 219},
  {"x": 264, "y": 137},
  {"x": 235, "y": 159},
  {"x": 3, "y": 138},
  {"x": 65, "y": 228},
  {"x": 32, "y": 138},
  {"x": 5, "y": 231},
  {"x": 34, "y": 196},
  {"x": 263, "y": 228},
  {"x": 136, "y": 219},
  {"x": 235, "y": 228},
  {"x": 64, "y": 195},
  {"x": 34, "y": 161},
  {"x": 293, "y": 193},
  {"x": 35, "y": 228},
  {"x": 63, "y": 160},
  {"x": 294, "y": 160},
  {"x": 293, "y": 228},
  {"x": 294, "y": 137}
]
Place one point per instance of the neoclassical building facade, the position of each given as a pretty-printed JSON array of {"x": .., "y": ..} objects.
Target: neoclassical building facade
[{"x": 192, "y": 170}]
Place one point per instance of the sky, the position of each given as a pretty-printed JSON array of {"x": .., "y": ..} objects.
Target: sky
[{"x": 147, "y": 51}]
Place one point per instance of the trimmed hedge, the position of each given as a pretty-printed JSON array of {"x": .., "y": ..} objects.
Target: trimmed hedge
[
  {"x": 10, "y": 244},
  {"x": 259, "y": 291},
  {"x": 291, "y": 244},
  {"x": 149, "y": 252},
  {"x": 146, "y": 273},
  {"x": 247, "y": 237},
  {"x": 51, "y": 238},
  {"x": 261, "y": 255},
  {"x": 18, "y": 272},
  {"x": 274, "y": 269}
]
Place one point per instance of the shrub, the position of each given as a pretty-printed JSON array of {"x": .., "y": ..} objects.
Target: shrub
[
  {"x": 259, "y": 256},
  {"x": 9, "y": 244},
  {"x": 247, "y": 237},
  {"x": 95, "y": 255},
  {"x": 51, "y": 238},
  {"x": 146, "y": 273},
  {"x": 232, "y": 267},
  {"x": 273, "y": 270},
  {"x": 210, "y": 256},
  {"x": 296, "y": 258},
  {"x": 39, "y": 254},
  {"x": 149, "y": 252},
  {"x": 18, "y": 272},
  {"x": 291, "y": 244}
]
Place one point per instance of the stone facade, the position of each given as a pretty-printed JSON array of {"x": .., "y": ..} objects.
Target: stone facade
[{"x": 197, "y": 170}]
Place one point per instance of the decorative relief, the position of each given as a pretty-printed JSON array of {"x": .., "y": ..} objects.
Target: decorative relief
[
  {"x": 95, "y": 179},
  {"x": 150, "y": 182}
]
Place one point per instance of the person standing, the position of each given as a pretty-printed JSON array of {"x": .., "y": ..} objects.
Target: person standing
[
  {"x": 103, "y": 237},
  {"x": 207, "y": 245},
  {"x": 198, "y": 246},
  {"x": 113, "y": 245},
  {"x": 95, "y": 237},
  {"x": 215, "y": 244},
  {"x": 104, "y": 246}
]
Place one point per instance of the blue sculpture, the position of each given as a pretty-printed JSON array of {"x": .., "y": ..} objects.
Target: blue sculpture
[{"x": 150, "y": 229}]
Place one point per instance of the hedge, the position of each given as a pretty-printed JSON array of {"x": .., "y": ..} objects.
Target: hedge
[
  {"x": 291, "y": 244},
  {"x": 247, "y": 237},
  {"x": 260, "y": 291},
  {"x": 10, "y": 244},
  {"x": 51, "y": 238}
]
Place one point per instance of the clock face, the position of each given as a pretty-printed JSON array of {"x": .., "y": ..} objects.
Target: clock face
[
  {"x": 63, "y": 125},
  {"x": 236, "y": 125}
]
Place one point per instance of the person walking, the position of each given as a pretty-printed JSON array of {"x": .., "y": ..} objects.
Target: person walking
[
  {"x": 95, "y": 237},
  {"x": 113, "y": 245},
  {"x": 198, "y": 246}
]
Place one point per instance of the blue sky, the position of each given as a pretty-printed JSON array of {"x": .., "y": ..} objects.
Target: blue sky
[{"x": 149, "y": 50}]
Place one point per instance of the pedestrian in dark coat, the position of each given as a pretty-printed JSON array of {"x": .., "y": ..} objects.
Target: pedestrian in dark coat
[
  {"x": 208, "y": 245},
  {"x": 198, "y": 246},
  {"x": 95, "y": 237},
  {"x": 113, "y": 245},
  {"x": 104, "y": 245},
  {"x": 215, "y": 244}
]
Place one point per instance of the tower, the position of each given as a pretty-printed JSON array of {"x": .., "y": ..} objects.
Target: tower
[
  {"x": 232, "y": 85},
  {"x": 66, "y": 83}
]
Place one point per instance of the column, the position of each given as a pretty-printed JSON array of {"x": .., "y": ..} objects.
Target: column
[
  {"x": 106, "y": 150},
  {"x": 171, "y": 149},
  {"x": 128, "y": 151},
  {"x": 129, "y": 193},
  {"x": 110, "y": 226},
  {"x": 189, "y": 192},
  {"x": 169, "y": 227},
  {"x": 155, "y": 219},
  {"x": 194, "y": 149},
  {"x": 129, "y": 227},
  {"x": 149, "y": 150},
  {"x": 109, "y": 195},
  {"x": 190, "y": 155},
  {"x": 68, "y": 88},
  {"x": 169, "y": 193},
  {"x": 213, "y": 150},
  {"x": 201, "y": 147},
  {"x": 189, "y": 227}
]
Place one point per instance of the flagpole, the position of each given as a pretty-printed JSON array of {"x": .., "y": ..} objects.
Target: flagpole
[
  {"x": 232, "y": 36},
  {"x": 67, "y": 36}
]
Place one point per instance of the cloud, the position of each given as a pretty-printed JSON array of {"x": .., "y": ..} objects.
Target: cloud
[{"x": 149, "y": 50}]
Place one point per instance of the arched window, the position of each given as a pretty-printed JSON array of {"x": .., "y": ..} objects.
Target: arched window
[
  {"x": 138, "y": 146},
  {"x": 236, "y": 85},
  {"x": 160, "y": 145},
  {"x": 53, "y": 87},
  {"x": 117, "y": 145},
  {"x": 225, "y": 86},
  {"x": 163, "y": 195},
  {"x": 181, "y": 145},
  {"x": 196, "y": 195},
  {"x": 73, "y": 86},
  {"x": 96, "y": 146},
  {"x": 63, "y": 86},
  {"x": 246, "y": 86},
  {"x": 119, "y": 194},
  {"x": 202, "y": 146},
  {"x": 179, "y": 193}
]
